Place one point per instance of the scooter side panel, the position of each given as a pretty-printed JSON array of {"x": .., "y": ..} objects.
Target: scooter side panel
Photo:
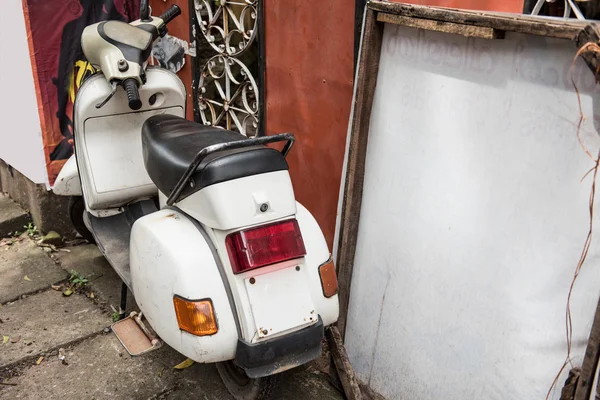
[
  {"x": 67, "y": 182},
  {"x": 317, "y": 253},
  {"x": 108, "y": 143},
  {"x": 170, "y": 256}
]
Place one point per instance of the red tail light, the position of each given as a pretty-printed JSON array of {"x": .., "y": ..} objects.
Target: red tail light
[{"x": 265, "y": 245}]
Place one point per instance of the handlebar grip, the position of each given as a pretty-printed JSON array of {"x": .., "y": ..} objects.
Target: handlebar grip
[
  {"x": 145, "y": 11},
  {"x": 170, "y": 14},
  {"x": 133, "y": 95}
]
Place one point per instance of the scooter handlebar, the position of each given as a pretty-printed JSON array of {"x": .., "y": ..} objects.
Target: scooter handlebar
[
  {"x": 170, "y": 14},
  {"x": 133, "y": 95}
]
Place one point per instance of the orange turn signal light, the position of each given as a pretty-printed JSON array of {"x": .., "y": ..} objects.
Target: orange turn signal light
[
  {"x": 195, "y": 317},
  {"x": 328, "y": 279}
]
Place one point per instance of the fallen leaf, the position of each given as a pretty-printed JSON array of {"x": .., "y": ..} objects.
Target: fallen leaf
[
  {"x": 184, "y": 364},
  {"x": 5, "y": 339},
  {"x": 27, "y": 278},
  {"x": 68, "y": 292},
  {"x": 15, "y": 339},
  {"x": 92, "y": 295},
  {"x": 39, "y": 360},
  {"x": 160, "y": 372}
]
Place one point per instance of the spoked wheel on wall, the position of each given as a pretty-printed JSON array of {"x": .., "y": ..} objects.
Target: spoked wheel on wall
[
  {"x": 76, "y": 211},
  {"x": 241, "y": 386}
]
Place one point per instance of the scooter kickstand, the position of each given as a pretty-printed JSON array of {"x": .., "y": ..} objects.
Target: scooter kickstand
[{"x": 123, "y": 305}]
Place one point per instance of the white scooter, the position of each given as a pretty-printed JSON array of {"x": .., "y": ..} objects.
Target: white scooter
[{"x": 199, "y": 222}]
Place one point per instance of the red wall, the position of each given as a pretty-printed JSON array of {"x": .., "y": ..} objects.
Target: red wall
[{"x": 309, "y": 68}]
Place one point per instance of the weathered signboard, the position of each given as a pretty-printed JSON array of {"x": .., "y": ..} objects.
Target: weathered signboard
[{"x": 466, "y": 206}]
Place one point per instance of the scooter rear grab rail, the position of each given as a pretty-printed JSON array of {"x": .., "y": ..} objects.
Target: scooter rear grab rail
[{"x": 202, "y": 154}]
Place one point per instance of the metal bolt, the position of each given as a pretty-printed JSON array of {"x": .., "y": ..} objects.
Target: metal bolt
[
  {"x": 297, "y": 268},
  {"x": 123, "y": 66},
  {"x": 264, "y": 207},
  {"x": 252, "y": 281},
  {"x": 265, "y": 332}
]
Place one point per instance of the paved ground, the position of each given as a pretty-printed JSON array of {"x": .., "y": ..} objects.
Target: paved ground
[
  {"x": 25, "y": 259},
  {"x": 38, "y": 321},
  {"x": 12, "y": 217}
]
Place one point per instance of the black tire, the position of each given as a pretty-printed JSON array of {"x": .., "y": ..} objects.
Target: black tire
[
  {"x": 241, "y": 386},
  {"x": 76, "y": 211}
]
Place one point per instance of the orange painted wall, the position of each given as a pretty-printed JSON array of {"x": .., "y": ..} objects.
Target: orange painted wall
[
  {"x": 309, "y": 49},
  {"x": 515, "y": 6}
]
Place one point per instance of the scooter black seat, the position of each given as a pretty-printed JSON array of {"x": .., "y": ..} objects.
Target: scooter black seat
[{"x": 170, "y": 144}]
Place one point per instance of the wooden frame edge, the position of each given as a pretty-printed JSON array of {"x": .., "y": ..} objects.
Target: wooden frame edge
[
  {"x": 367, "y": 70},
  {"x": 528, "y": 24}
]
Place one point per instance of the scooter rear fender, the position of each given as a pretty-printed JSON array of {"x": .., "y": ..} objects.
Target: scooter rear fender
[{"x": 170, "y": 256}]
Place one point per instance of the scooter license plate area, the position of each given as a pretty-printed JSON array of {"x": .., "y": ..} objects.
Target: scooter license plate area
[{"x": 280, "y": 301}]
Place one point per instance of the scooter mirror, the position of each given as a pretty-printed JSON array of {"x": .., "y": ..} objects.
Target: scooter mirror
[{"x": 145, "y": 11}]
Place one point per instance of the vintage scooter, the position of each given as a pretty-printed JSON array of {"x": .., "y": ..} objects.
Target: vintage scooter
[{"x": 199, "y": 222}]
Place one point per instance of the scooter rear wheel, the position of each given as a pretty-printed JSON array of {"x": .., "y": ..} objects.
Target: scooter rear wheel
[
  {"x": 241, "y": 386},
  {"x": 76, "y": 210}
]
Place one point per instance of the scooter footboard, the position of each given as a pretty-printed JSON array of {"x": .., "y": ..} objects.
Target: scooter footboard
[{"x": 171, "y": 258}]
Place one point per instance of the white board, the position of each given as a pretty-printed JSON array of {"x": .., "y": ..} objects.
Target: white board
[
  {"x": 473, "y": 218},
  {"x": 20, "y": 131}
]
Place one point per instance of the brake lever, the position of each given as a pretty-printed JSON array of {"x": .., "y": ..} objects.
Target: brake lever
[{"x": 110, "y": 95}]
